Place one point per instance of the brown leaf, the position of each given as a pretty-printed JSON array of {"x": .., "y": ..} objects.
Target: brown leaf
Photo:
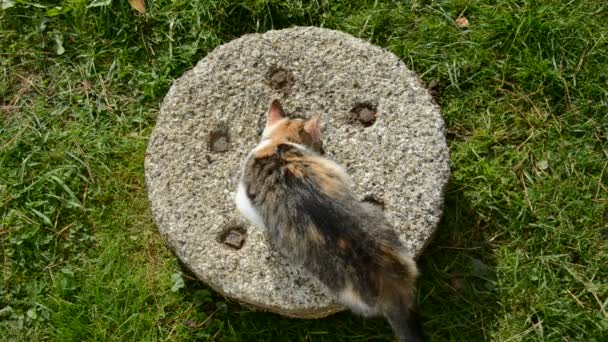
[
  {"x": 462, "y": 21},
  {"x": 139, "y": 5}
]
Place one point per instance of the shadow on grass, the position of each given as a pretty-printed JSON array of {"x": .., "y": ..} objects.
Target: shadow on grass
[
  {"x": 456, "y": 293},
  {"x": 457, "y": 285},
  {"x": 243, "y": 324}
]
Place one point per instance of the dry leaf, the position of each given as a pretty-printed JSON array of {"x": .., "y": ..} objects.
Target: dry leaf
[
  {"x": 462, "y": 21},
  {"x": 139, "y": 5}
]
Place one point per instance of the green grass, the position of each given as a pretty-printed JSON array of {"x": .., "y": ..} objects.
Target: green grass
[{"x": 521, "y": 255}]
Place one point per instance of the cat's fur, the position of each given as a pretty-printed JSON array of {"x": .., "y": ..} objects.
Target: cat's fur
[{"x": 314, "y": 219}]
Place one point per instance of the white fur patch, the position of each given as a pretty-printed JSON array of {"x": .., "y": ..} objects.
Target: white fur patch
[
  {"x": 260, "y": 146},
  {"x": 407, "y": 260},
  {"x": 350, "y": 298},
  {"x": 298, "y": 146},
  {"x": 243, "y": 204},
  {"x": 269, "y": 129}
]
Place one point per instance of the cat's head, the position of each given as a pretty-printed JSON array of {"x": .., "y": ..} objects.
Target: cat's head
[{"x": 281, "y": 128}]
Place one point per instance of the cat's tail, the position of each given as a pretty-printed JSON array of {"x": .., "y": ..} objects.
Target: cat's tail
[
  {"x": 405, "y": 322},
  {"x": 397, "y": 273},
  {"x": 399, "y": 297}
]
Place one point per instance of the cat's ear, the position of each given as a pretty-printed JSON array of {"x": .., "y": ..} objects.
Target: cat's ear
[
  {"x": 275, "y": 113},
  {"x": 312, "y": 127}
]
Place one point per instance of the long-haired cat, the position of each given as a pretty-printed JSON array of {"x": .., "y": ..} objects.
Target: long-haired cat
[{"x": 314, "y": 219}]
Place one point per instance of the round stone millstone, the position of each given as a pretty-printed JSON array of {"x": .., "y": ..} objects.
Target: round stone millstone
[{"x": 379, "y": 122}]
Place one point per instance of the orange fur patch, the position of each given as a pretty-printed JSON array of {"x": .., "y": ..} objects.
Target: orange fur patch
[
  {"x": 295, "y": 170},
  {"x": 285, "y": 131},
  {"x": 288, "y": 130},
  {"x": 343, "y": 244},
  {"x": 330, "y": 182}
]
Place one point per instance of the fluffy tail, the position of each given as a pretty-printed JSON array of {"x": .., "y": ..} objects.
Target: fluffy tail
[
  {"x": 405, "y": 323},
  {"x": 397, "y": 274}
]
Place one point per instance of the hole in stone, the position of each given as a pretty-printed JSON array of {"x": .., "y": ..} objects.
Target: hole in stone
[
  {"x": 281, "y": 79},
  {"x": 219, "y": 140},
  {"x": 374, "y": 200},
  {"x": 233, "y": 237},
  {"x": 365, "y": 113}
]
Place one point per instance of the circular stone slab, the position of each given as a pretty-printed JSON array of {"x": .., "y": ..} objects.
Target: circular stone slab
[{"x": 378, "y": 121}]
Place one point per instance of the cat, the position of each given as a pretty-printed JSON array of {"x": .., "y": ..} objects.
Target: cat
[{"x": 314, "y": 219}]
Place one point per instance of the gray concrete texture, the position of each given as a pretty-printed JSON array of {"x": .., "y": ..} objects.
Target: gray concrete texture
[{"x": 378, "y": 119}]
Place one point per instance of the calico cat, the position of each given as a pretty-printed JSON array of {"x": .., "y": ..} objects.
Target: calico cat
[{"x": 314, "y": 219}]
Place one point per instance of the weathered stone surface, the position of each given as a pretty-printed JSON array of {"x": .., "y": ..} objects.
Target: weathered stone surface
[{"x": 212, "y": 117}]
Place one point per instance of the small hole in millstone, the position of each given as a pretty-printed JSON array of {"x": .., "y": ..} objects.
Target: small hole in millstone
[
  {"x": 281, "y": 79},
  {"x": 365, "y": 113},
  {"x": 233, "y": 237},
  {"x": 374, "y": 200},
  {"x": 219, "y": 140}
]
